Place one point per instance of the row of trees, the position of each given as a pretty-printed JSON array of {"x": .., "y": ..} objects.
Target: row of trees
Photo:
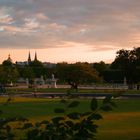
[
  {"x": 126, "y": 65},
  {"x": 73, "y": 74}
]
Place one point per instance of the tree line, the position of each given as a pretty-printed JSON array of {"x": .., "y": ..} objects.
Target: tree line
[{"x": 126, "y": 65}]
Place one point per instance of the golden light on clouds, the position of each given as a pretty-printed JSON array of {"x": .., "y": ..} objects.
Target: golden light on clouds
[{"x": 64, "y": 30}]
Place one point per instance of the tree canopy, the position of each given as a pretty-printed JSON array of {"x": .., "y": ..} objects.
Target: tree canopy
[
  {"x": 78, "y": 73},
  {"x": 129, "y": 62}
]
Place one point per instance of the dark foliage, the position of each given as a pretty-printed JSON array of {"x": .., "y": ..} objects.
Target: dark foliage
[
  {"x": 128, "y": 61},
  {"x": 67, "y": 126}
]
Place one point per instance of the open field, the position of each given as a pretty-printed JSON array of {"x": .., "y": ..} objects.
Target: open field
[
  {"x": 123, "y": 123},
  {"x": 120, "y": 126}
]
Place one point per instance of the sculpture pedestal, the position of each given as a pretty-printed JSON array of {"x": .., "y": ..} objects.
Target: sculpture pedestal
[{"x": 53, "y": 83}]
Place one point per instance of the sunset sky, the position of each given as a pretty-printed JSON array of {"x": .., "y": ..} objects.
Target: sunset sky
[{"x": 68, "y": 30}]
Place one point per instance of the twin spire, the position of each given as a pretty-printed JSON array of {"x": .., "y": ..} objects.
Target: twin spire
[
  {"x": 29, "y": 57},
  {"x": 35, "y": 57}
]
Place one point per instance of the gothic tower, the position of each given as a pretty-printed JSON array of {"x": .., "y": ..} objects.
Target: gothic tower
[
  {"x": 29, "y": 58},
  {"x": 35, "y": 59}
]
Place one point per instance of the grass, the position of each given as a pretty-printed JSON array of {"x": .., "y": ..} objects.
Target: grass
[
  {"x": 34, "y": 107},
  {"x": 64, "y": 90},
  {"x": 120, "y": 126},
  {"x": 123, "y": 123}
]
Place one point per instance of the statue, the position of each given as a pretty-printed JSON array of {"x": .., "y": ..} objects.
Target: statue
[
  {"x": 125, "y": 81},
  {"x": 53, "y": 82},
  {"x": 53, "y": 77}
]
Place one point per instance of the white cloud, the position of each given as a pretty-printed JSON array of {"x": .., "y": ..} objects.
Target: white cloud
[
  {"x": 31, "y": 23},
  {"x": 6, "y": 19}
]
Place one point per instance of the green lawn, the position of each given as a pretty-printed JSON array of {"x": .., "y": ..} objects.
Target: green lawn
[
  {"x": 120, "y": 126},
  {"x": 33, "y": 107},
  {"x": 123, "y": 123},
  {"x": 64, "y": 90}
]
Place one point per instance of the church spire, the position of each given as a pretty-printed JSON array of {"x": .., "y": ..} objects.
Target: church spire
[
  {"x": 29, "y": 57},
  {"x": 35, "y": 57}
]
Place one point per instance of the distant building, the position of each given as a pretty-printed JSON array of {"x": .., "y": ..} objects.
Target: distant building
[
  {"x": 22, "y": 63},
  {"x": 9, "y": 58},
  {"x": 49, "y": 65},
  {"x": 29, "y": 60},
  {"x": 8, "y": 62}
]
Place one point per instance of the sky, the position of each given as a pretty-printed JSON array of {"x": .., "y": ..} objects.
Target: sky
[{"x": 68, "y": 30}]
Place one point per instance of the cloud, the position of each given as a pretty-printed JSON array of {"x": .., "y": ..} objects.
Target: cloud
[
  {"x": 41, "y": 16},
  {"x": 31, "y": 23},
  {"x": 13, "y": 29},
  {"x": 98, "y": 24},
  {"x": 6, "y": 19}
]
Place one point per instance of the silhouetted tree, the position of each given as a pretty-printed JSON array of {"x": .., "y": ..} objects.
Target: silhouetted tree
[
  {"x": 129, "y": 62},
  {"x": 100, "y": 67},
  {"x": 9, "y": 72},
  {"x": 78, "y": 73}
]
